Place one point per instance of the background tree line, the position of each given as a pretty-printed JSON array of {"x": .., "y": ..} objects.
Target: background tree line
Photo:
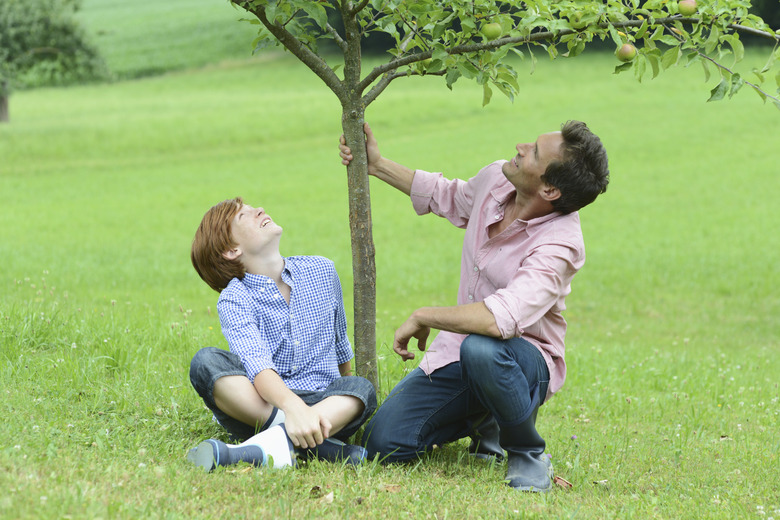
[{"x": 42, "y": 44}]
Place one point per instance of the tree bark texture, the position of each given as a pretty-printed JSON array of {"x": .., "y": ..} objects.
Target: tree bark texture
[
  {"x": 3, "y": 102},
  {"x": 363, "y": 252}
]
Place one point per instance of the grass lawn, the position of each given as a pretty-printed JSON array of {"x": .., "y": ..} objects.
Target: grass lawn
[{"x": 671, "y": 408}]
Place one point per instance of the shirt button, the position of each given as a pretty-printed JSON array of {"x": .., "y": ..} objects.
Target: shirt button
[
  {"x": 497, "y": 217},
  {"x": 471, "y": 296},
  {"x": 476, "y": 268},
  {"x": 295, "y": 368}
]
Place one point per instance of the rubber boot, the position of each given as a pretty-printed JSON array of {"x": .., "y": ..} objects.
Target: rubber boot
[
  {"x": 484, "y": 441},
  {"x": 528, "y": 467}
]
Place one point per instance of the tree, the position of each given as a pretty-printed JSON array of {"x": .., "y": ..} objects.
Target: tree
[
  {"x": 41, "y": 44},
  {"x": 451, "y": 39}
]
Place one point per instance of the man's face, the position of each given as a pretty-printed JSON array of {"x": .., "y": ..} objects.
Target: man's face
[
  {"x": 526, "y": 168},
  {"x": 253, "y": 230}
]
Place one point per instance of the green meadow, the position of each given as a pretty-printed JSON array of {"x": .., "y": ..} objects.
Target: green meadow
[{"x": 671, "y": 408}]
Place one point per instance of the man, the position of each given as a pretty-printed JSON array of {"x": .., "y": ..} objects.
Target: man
[
  {"x": 500, "y": 352},
  {"x": 289, "y": 359}
]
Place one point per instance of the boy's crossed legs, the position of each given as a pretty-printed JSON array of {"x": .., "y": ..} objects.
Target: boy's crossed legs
[{"x": 219, "y": 378}]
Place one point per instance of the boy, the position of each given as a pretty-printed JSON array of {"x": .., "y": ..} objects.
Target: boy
[{"x": 288, "y": 372}]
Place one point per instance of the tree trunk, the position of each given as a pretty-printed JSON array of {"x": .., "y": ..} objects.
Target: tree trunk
[
  {"x": 363, "y": 263},
  {"x": 363, "y": 253},
  {"x": 3, "y": 103}
]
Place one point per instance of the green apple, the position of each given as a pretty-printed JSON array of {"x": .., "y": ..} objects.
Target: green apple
[
  {"x": 626, "y": 53},
  {"x": 687, "y": 7},
  {"x": 576, "y": 21},
  {"x": 491, "y": 31}
]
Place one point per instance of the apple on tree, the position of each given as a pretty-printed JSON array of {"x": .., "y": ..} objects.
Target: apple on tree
[
  {"x": 626, "y": 53},
  {"x": 491, "y": 31},
  {"x": 687, "y": 7}
]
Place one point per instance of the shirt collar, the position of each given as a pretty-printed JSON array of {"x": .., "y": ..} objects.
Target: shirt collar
[
  {"x": 257, "y": 281},
  {"x": 502, "y": 193}
]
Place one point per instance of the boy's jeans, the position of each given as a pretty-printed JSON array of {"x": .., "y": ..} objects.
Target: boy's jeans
[{"x": 211, "y": 363}]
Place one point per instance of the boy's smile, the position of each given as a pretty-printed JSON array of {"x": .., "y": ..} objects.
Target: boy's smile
[{"x": 253, "y": 231}]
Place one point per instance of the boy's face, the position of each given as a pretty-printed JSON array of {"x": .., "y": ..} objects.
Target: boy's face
[{"x": 254, "y": 231}]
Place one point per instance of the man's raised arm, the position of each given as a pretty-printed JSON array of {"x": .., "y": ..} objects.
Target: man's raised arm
[{"x": 394, "y": 174}]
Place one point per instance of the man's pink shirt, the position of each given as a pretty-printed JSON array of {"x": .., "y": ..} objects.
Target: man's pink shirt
[{"x": 523, "y": 274}]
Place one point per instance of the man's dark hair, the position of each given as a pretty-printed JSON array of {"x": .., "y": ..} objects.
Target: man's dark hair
[{"x": 582, "y": 173}]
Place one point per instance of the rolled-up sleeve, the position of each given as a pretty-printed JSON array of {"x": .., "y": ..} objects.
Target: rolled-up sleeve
[
  {"x": 245, "y": 336},
  {"x": 540, "y": 283},
  {"x": 451, "y": 199}
]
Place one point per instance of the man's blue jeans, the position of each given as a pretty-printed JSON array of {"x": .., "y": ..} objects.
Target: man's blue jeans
[{"x": 494, "y": 377}]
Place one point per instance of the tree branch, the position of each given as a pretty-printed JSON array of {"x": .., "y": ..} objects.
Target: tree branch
[
  {"x": 534, "y": 37},
  {"x": 299, "y": 50},
  {"x": 755, "y": 32},
  {"x": 362, "y": 5},
  {"x": 385, "y": 81},
  {"x": 723, "y": 67},
  {"x": 336, "y": 37},
  {"x": 405, "y": 42}
]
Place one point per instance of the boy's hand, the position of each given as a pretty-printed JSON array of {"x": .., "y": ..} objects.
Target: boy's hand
[{"x": 305, "y": 427}]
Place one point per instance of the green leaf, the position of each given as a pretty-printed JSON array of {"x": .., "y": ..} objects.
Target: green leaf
[
  {"x": 518, "y": 52},
  {"x": 653, "y": 59},
  {"x": 506, "y": 91},
  {"x": 467, "y": 69},
  {"x": 507, "y": 77},
  {"x": 439, "y": 53},
  {"x": 737, "y": 47},
  {"x": 668, "y": 39},
  {"x": 575, "y": 47},
  {"x": 670, "y": 57},
  {"x": 706, "y": 68},
  {"x": 452, "y": 76},
  {"x": 712, "y": 40},
  {"x": 641, "y": 67},
  {"x": 770, "y": 62},
  {"x": 658, "y": 33},
  {"x": 622, "y": 68},
  {"x": 642, "y": 30},
  {"x": 736, "y": 83},
  {"x": 760, "y": 94},
  {"x": 718, "y": 92},
  {"x": 317, "y": 13},
  {"x": 487, "y": 93},
  {"x": 615, "y": 36}
]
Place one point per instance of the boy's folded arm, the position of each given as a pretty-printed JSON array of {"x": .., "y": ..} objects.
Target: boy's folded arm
[
  {"x": 303, "y": 424},
  {"x": 345, "y": 369}
]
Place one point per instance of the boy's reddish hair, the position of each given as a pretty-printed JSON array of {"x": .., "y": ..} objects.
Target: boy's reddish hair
[{"x": 212, "y": 239}]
